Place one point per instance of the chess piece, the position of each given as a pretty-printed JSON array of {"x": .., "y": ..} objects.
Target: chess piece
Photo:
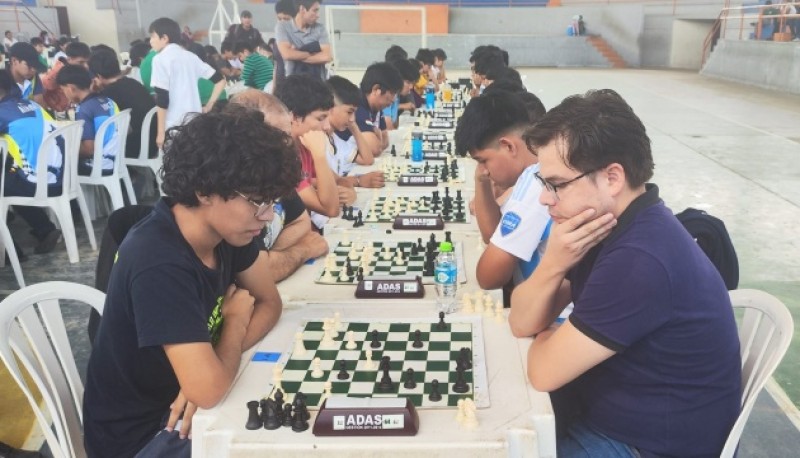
[
  {"x": 460, "y": 386},
  {"x": 360, "y": 274},
  {"x": 253, "y": 418},
  {"x": 393, "y": 152},
  {"x": 369, "y": 364},
  {"x": 386, "y": 383},
  {"x": 343, "y": 277},
  {"x": 327, "y": 342},
  {"x": 351, "y": 341},
  {"x": 465, "y": 355},
  {"x": 327, "y": 277},
  {"x": 317, "y": 372},
  {"x": 448, "y": 236},
  {"x": 478, "y": 304},
  {"x": 470, "y": 414},
  {"x": 327, "y": 393},
  {"x": 466, "y": 304},
  {"x": 375, "y": 342},
  {"x": 269, "y": 415},
  {"x": 460, "y": 417},
  {"x": 287, "y": 414},
  {"x": 435, "y": 395},
  {"x": 409, "y": 382},
  {"x": 342, "y": 375},
  {"x": 299, "y": 423},
  {"x": 299, "y": 346},
  {"x": 398, "y": 259},
  {"x": 337, "y": 321},
  {"x": 417, "y": 339},
  {"x": 441, "y": 325},
  {"x": 499, "y": 316}
]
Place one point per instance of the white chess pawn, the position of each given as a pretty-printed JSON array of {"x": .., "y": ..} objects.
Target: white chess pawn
[
  {"x": 387, "y": 253},
  {"x": 351, "y": 341},
  {"x": 328, "y": 386},
  {"x": 488, "y": 307},
  {"x": 345, "y": 240},
  {"x": 466, "y": 304},
  {"x": 460, "y": 417},
  {"x": 317, "y": 372},
  {"x": 343, "y": 275},
  {"x": 299, "y": 346},
  {"x": 398, "y": 259},
  {"x": 478, "y": 306},
  {"x": 369, "y": 364},
  {"x": 353, "y": 255},
  {"x": 337, "y": 321},
  {"x": 499, "y": 316},
  {"x": 470, "y": 414},
  {"x": 327, "y": 277}
]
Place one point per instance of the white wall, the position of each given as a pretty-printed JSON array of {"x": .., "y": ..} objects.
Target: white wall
[
  {"x": 687, "y": 43},
  {"x": 94, "y": 26}
]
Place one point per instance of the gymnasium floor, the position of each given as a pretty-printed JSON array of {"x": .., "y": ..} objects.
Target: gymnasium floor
[{"x": 726, "y": 148}]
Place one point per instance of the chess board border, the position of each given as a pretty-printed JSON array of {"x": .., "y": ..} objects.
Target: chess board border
[
  {"x": 480, "y": 379},
  {"x": 458, "y": 247},
  {"x": 466, "y": 194}
]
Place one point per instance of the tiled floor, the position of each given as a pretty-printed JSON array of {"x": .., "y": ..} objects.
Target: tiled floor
[{"x": 726, "y": 148}]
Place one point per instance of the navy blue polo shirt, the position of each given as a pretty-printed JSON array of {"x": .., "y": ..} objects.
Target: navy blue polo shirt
[
  {"x": 366, "y": 119},
  {"x": 649, "y": 293}
]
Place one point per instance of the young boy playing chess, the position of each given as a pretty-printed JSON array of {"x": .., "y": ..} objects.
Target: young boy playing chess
[{"x": 189, "y": 291}]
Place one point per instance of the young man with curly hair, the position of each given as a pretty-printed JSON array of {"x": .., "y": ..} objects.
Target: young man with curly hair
[{"x": 190, "y": 291}]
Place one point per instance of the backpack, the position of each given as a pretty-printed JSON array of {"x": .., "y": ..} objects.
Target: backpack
[{"x": 713, "y": 238}]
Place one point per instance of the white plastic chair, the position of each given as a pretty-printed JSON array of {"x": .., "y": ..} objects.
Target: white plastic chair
[
  {"x": 7, "y": 242},
  {"x": 765, "y": 332},
  {"x": 120, "y": 121},
  {"x": 71, "y": 134},
  {"x": 144, "y": 160},
  {"x": 38, "y": 338}
]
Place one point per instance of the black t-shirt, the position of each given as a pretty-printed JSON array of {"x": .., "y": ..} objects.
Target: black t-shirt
[
  {"x": 160, "y": 293},
  {"x": 129, "y": 93},
  {"x": 287, "y": 209}
]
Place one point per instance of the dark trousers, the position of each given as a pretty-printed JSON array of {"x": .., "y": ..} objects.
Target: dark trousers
[{"x": 17, "y": 185}]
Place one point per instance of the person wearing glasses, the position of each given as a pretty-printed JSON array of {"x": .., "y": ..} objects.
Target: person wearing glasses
[
  {"x": 190, "y": 291},
  {"x": 287, "y": 240},
  {"x": 650, "y": 353},
  {"x": 516, "y": 232}
]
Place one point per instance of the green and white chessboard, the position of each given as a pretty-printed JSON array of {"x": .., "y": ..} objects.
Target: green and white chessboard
[
  {"x": 418, "y": 204},
  {"x": 379, "y": 265},
  {"x": 392, "y": 170},
  {"x": 436, "y": 360}
]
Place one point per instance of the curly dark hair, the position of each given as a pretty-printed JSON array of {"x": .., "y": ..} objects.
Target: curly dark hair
[
  {"x": 221, "y": 153},
  {"x": 599, "y": 128}
]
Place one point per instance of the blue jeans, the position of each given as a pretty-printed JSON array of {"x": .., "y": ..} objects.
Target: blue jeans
[{"x": 582, "y": 441}]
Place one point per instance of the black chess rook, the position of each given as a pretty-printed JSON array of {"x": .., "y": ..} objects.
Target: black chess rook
[{"x": 253, "y": 418}]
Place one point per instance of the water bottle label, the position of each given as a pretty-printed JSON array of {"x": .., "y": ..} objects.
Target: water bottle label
[{"x": 445, "y": 275}]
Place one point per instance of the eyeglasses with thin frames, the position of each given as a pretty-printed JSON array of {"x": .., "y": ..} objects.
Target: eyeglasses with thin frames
[
  {"x": 261, "y": 207},
  {"x": 553, "y": 188}
]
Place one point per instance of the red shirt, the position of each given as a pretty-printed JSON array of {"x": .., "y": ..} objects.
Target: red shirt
[{"x": 306, "y": 167}]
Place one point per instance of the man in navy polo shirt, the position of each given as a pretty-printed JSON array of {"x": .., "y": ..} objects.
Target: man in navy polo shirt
[
  {"x": 380, "y": 85},
  {"x": 651, "y": 351}
]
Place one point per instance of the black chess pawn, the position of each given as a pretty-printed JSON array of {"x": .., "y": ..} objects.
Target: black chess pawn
[
  {"x": 441, "y": 325},
  {"x": 348, "y": 268},
  {"x": 360, "y": 274},
  {"x": 435, "y": 395},
  {"x": 409, "y": 382},
  {"x": 426, "y": 167},
  {"x": 458, "y": 196},
  {"x": 343, "y": 374},
  {"x": 287, "y": 415},
  {"x": 253, "y": 418},
  {"x": 417, "y": 339},
  {"x": 393, "y": 152},
  {"x": 375, "y": 342},
  {"x": 414, "y": 250},
  {"x": 420, "y": 246}
]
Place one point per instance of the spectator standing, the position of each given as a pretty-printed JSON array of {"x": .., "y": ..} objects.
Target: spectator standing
[{"x": 303, "y": 42}]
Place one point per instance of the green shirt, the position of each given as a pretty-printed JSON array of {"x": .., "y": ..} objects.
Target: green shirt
[
  {"x": 146, "y": 69},
  {"x": 43, "y": 61},
  {"x": 205, "y": 88},
  {"x": 257, "y": 71}
]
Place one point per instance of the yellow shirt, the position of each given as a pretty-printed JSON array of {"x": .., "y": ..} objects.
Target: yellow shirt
[{"x": 419, "y": 86}]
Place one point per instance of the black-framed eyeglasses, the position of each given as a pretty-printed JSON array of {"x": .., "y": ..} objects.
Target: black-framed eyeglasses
[
  {"x": 261, "y": 207},
  {"x": 553, "y": 188}
]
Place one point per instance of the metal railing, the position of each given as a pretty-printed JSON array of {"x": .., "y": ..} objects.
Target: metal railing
[{"x": 756, "y": 22}]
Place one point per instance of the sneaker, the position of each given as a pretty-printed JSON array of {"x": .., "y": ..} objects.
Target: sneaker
[{"x": 48, "y": 243}]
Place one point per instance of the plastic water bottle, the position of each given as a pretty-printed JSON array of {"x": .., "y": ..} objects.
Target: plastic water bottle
[
  {"x": 445, "y": 276},
  {"x": 416, "y": 144},
  {"x": 430, "y": 97}
]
